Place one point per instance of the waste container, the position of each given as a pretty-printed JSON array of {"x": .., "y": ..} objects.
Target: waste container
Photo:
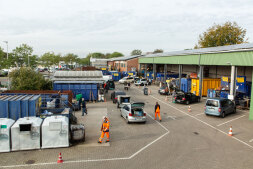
[
  {"x": 5, "y": 134},
  {"x": 55, "y": 132},
  {"x": 25, "y": 134},
  {"x": 77, "y": 132},
  {"x": 145, "y": 91}
]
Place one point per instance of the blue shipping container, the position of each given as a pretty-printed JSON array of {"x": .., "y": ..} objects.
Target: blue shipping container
[
  {"x": 116, "y": 76},
  {"x": 15, "y": 107},
  {"x": 25, "y": 106},
  {"x": 34, "y": 105},
  {"x": 186, "y": 84},
  {"x": 241, "y": 84},
  {"x": 4, "y": 106}
]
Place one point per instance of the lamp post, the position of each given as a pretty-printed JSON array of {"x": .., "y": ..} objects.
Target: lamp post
[{"x": 7, "y": 62}]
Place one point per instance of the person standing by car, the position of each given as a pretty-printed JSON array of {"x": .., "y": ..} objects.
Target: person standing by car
[
  {"x": 84, "y": 109},
  {"x": 157, "y": 111},
  {"x": 105, "y": 130}
]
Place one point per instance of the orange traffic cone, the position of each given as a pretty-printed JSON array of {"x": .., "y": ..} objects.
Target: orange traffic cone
[
  {"x": 166, "y": 98},
  {"x": 149, "y": 91},
  {"x": 230, "y": 131},
  {"x": 189, "y": 109},
  {"x": 60, "y": 160}
]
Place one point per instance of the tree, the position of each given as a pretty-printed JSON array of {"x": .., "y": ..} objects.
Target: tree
[
  {"x": 70, "y": 58},
  {"x": 136, "y": 52},
  {"x": 23, "y": 56},
  {"x": 158, "y": 51},
  {"x": 220, "y": 35},
  {"x": 114, "y": 55},
  {"x": 27, "y": 79},
  {"x": 96, "y": 55},
  {"x": 49, "y": 59}
]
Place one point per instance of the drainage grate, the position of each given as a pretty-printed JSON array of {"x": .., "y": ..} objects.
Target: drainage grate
[{"x": 30, "y": 162}]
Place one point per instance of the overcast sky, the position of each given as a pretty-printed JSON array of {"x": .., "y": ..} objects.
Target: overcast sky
[{"x": 82, "y": 26}]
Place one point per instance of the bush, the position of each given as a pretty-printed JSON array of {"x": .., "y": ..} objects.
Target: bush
[{"x": 28, "y": 79}]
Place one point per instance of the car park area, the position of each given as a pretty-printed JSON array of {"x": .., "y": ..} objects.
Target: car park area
[{"x": 184, "y": 139}]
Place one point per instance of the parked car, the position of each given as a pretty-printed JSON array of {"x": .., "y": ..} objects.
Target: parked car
[
  {"x": 115, "y": 94},
  {"x": 122, "y": 100},
  {"x": 126, "y": 80},
  {"x": 164, "y": 90},
  {"x": 219, "y": 107},
  {"x": 133, "y": 112},
  {"x": 186, "y": 98},
  {"x": 141, "y": 82}
]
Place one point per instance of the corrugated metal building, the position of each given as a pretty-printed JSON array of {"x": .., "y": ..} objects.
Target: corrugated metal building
[{"x": 79, "y": 82}]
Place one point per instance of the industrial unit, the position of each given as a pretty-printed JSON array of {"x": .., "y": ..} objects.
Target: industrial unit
[{"x": 231, "y": 61}]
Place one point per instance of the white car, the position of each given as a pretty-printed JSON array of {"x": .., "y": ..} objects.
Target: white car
[
  {"x": 133, "y": 112},
  {"x": 126, "y": 80},
  {"x": 141, "y": 82}
]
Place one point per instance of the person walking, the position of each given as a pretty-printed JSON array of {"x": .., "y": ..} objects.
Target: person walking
[
  {"x": 157, "y": 111},
  {"x": 105, "y": 130},
  {"x": 84, "y": 109}
]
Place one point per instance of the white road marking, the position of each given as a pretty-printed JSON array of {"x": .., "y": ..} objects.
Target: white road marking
[
  {"x": 98, "y": 160},
  {"x": 251, "y": 140},
  {"x": 231, "y": 120},
  {"x": 204, "y": 122},
  {"x": 199, "y": 114},
  {"x": 172, "y": 117}
]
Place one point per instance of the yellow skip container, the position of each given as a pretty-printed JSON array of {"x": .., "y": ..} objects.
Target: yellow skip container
[{"x": 207, "y": 84}]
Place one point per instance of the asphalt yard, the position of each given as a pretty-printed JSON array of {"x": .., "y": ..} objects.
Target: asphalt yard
[{"x": 182, "y": 140}]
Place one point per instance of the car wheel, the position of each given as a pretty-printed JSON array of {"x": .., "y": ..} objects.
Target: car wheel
[
  {"x": 223, "y": 114},
  {"x": 144, "y": 122},
  {"x": 187, "y": 102}
]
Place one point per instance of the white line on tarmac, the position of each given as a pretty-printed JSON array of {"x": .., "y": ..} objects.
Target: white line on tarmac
[
  {"x": 199, "y": 114},
  {"x": 231, "y": 120},
  {"x": 251, "y": 140},
  {"x": 204, "y": 122}
]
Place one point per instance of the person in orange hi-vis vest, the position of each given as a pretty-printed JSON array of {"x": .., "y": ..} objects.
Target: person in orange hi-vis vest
[
  {"x": 157, "y": 111},
  {"x": 105, "y": 130}
]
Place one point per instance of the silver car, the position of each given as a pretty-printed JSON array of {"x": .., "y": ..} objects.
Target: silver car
[{"x": 133, "y": 112}]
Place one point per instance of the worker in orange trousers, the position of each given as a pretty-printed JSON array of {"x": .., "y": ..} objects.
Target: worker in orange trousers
[
  {"x": 105, "y": 130},
  {"x": 157, "y": 111}
]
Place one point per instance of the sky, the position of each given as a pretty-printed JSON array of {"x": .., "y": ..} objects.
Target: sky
[{"x": 85, "y": 26}]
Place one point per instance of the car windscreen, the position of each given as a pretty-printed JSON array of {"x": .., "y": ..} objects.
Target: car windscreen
[
  {"x": 137, "y": 112},
  {"x": 125, "y": 100},
  {"x": 212, "y": 103}
]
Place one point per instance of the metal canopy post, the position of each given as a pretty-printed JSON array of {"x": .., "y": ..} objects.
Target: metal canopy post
[
  {"x": 165, "y": 72},
  {"x": 232, "y": 83},
  {"x": 251, "y": 102},
  {"x": 154, "y": 71},
  {"x": 200, "y": 80},
  {"x": 179, "y": 75},
  {"x": 146, "y": 67}
]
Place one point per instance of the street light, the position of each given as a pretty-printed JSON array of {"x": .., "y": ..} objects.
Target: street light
[{"x": 8, "y": 64}]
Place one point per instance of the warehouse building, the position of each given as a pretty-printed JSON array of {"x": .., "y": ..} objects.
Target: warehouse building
[
  {"x": 124, "y": 64},
  {"x": 233, "y": 62}
]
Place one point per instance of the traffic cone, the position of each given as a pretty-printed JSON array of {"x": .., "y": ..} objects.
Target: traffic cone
[
  {"x": 230, "y": 131},
  {"x": 189, "y": 109},
  {"x": 149, "y": 91},
  {"x": 60, "y": 160},
  {"x": 166, "y": 98}
]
